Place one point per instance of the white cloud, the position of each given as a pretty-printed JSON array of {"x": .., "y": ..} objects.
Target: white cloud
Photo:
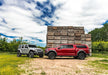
[{"x": 88, "y": 13}]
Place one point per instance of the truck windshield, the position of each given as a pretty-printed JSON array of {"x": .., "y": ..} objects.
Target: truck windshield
[{"x": 33, "y": 46}]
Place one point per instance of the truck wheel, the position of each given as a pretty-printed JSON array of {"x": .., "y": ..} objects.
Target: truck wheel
[
  {"x": 51, "y": 55},
  {"x": 81, "y": 56},
  {"x": 31, "y": 54},
  {"x": 41, "y": 55},
  {"x": 18, "y": 54},
  {"x": 75, "y": 57}
]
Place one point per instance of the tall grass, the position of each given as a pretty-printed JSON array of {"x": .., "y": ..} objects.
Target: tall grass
[{"x": 9, "y": 64}]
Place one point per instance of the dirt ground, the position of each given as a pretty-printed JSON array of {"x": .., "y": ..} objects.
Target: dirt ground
[{"x": 58, "y": 66}]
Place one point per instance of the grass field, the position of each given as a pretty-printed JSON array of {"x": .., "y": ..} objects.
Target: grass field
[
  {"x": 101, "y": 64},
  {"x": 9, "y": 63}
]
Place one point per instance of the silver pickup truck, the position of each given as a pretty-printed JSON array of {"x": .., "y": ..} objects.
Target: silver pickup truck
[{"x": 29, "y": 50}]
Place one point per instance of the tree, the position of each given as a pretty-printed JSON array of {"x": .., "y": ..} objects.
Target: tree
[{"x": 100, "y": 34}]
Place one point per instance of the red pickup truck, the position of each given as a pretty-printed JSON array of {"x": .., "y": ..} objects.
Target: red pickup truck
[{"x": 76, "y": 50}]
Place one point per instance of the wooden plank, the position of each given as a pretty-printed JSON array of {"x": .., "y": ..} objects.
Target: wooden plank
[
  {"x": 50, "y": 37},
  {"x": 77, "y": 38},
  {"x": 64, "y": 33},
  {"x": 83, "y": 39},
  {"x": 70, "y": 27},
  {"x": 88, "y": 39},
  {"x": 57, "y": 37},
  {"x": 57, "y": 34},
  {"x": 57, "y": 41},
  {"x": 70, "y": 34},
  {"x": 55, "y": 28},
  {"x": 56, "y": 45},
  {"x": 50, "y": 33},
  {"x": 50, "y": 41},
  {"x": 71, "y": 38},
  {"x": 83, "y": 35},
  {"x": 71, "y": 42},
  {"x": 64, "y": 37},
  {"x": 70, "y": 30},
  {"x": 78, "y": 42},
  {"x": 63, "y": 41},
  {"x": 78, "y": 34},
  {"x": 88, "y": 35}
]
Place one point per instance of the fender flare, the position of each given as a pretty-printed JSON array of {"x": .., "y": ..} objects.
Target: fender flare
[
  {"x": 81, "y": 51},
  {"x": 52, "y": 51},
  {"x": 19, "y": 50},
  {"x": 31, "y": 50}
]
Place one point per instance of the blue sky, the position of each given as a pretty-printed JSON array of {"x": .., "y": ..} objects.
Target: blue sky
[{"x": 29, "y": 18}]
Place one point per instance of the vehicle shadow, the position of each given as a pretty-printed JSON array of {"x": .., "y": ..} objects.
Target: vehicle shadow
[{"x": 64, "y": 58}]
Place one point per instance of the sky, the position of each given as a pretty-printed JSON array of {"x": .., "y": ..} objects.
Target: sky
[{"x": 29, "y": 18}]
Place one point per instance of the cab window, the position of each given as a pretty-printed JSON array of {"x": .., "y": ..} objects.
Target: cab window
[
  {"x": 26, "y": 46},
  {"x": 66, "y": 46},
  {"x": 22, "y": 46},
  {"x": 81, "y": 46}
]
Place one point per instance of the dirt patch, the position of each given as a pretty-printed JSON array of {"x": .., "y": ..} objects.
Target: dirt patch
[{"x": 58, "y": 66}]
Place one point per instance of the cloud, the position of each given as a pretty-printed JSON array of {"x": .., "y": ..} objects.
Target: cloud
[
  {"x": 29, "y": 18},
  {"x": 88, "y": 13}
]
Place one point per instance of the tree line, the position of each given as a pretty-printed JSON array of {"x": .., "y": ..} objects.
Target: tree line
[
  {"x": 100, "y": 39},
  {"x": 11, "y": 46}
]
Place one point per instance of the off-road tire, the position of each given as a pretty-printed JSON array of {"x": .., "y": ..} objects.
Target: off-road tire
[
  {"x": 82, "y": 55},
  {"x": 51, "y": 55},
  {"x": 41, "y": 55},
  {"x": 18, "y": 54},
  {"x": 31, "y": 54}
]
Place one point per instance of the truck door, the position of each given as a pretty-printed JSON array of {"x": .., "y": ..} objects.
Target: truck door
[
  {"x": 70, "y": 50},
  {"x": 22, "y": 48},
  {"x": 66, "y": 50},
  {"x": 26, "y": 49}
]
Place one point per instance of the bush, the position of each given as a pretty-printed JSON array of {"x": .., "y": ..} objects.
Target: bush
[{"x": 99, "y": 46}]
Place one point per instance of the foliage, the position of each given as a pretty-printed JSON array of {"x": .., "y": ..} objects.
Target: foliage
[
  {"x": 13, "y": 45},
  {"x": 10, "y": 46},
  {"x": 99, "y": 46},
  {"x": 42, "y": 48},
  {"x": 100, "y": 34},
  {"x": 9, "y": 64}
]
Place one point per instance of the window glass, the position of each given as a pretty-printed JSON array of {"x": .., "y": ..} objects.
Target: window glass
[
  {"x": 66, "y": 46},
  {"x": 32, "y": 46},
  {"x": 70, "y": 46},
  {"x": 81, "y": 46},
  {"x": 63, "y": 46},
  {"x": 26, "y": 46},
  {"x": 22, "y": 46}
]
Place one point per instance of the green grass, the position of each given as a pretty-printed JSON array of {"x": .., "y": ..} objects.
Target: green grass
[
  {"x": 100, "y": 64},
  {"x": 9, "y": 63},
  {"x": 100, "y": 55}
]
